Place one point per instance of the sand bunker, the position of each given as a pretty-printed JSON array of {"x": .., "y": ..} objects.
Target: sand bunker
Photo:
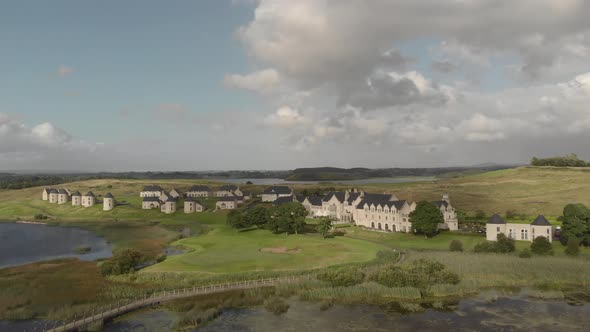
[{"x": 281, "y": 250}]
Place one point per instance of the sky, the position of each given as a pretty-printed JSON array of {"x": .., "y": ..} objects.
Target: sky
[{"x": 278, "y": 84}]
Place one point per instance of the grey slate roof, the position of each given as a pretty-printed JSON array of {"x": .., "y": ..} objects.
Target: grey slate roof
[
  {"x": 496, "y": 219},
  {"x": 228, "y": 187},
  {"x": 541, "y": 221},
  {"x": 171, "y": 199},
  {"x": 439, "y": 203},
  {"x": 279, "y": 190},
  {"x": 77, "y": 193},
  {"x": 353, "y": 196},
  {"x": 315, "y": 200},
  {"x": 63, "y": 192},
  {"x": 199, "y": 188},
  {"x": 338, "y": 194},
  {"x": 108, "y": 195},
  {"x": 375, "y": 199},
  {"x": 90, "y": 193},
  {"x": 151, "y": 199},
  {"x": 283, "y": 200},
  {"x": 52, "y": 191}
]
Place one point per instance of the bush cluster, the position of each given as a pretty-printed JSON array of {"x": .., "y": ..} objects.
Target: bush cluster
[
  {"x": 420, "y": 274},
  {"x": 541, "y": 246},
  {"x": 276, "y": 305},
  {"x": 122, "y": 262},
  {"x": 502, "y": 245},
  {"x": 456, "y": 245},
  {"x": 342, "y": 277}
]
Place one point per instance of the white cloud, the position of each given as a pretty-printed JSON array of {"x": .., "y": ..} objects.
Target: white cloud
[
  {"x": 285, "y": 117},
  {"x": 263, "y": 81}
]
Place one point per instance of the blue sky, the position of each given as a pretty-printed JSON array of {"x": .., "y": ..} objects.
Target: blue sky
[
  {"x": 280, "y": 84},
  {"x": 130, "y": 55}
]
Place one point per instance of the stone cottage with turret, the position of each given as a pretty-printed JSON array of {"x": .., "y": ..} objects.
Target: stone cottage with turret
[
  {"x": 191, "y": 205},
  {"x": 521, "y": 232},
  {"x": 63, "y": 196},
  {"x": 108, "y": 202},
  {"x": 89, "y": 199},
  {"x": 76, "y": 199}
]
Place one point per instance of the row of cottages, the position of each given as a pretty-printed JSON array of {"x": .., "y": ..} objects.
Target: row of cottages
[
  {"x": 522, "y": 232},
  {"x": 374, "y": 211},
  {"x": 227, "y": 190},
  {"x": 271, "y": 194},
  {"x": 63, "y": 196}
]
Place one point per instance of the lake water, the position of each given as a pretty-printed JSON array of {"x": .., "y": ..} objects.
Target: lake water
[
  {"x": 480, "y": 313},
  {"x": 272, "y": 181},
  {"x": 28, "y": 243}
]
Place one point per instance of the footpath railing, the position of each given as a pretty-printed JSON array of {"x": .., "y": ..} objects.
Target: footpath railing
[{"x": 117, "y": 310}]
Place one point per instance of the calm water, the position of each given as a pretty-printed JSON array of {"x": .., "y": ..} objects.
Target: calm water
[
  {"x": 28, "y": 243},
  {"x": 271, "y": 181},
  {"x": 509, "y": 313}
]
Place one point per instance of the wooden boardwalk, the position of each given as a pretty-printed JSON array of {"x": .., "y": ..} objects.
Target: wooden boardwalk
[{"x": 167, "y": 296}]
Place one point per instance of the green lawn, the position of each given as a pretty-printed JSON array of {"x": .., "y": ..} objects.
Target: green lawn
[{"x": 224, "y": 250}]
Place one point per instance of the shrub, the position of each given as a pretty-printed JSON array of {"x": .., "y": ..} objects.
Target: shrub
[
  {"x": 573, "y": 247},
  {"x": 40, "y": 216},
  {"x": 456, "y": 245},
  {"x": 485, "y": 247},
  {"x": 420, "y": 274},
  {"x": 541, "y": 246},
  {"x": 122, "y": 262},
  {"x": 342, "y": 277},
  {"x": 525, "y": 253},
  {"x": 505, "y": 244},
  {"x": 276, "y": 305}
]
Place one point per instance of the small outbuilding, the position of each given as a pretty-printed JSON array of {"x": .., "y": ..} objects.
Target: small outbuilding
[
  {"x": 191, "y": 205},
  {"x": 77, "y": 199},
  {"x": 63, "y": 196},
  {"x": 108, "y": 202},
  {"x": 89, "y": 199}
]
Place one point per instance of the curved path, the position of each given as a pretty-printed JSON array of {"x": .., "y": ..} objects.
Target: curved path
[{"x": 167, "y": 296}]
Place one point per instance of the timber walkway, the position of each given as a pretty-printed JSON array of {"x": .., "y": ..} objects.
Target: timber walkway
[{"x": 117, "y": 310}]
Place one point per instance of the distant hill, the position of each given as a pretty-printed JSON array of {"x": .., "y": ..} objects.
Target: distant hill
[{"x": 333, "y": 173}]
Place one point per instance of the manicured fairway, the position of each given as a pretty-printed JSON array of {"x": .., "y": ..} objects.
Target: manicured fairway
[{"x": 224, "y": 250}]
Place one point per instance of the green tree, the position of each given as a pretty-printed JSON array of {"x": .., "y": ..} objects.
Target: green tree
[
  {"x": 575, "y": 224},
  {"x": 289, "y": 217},
  {"x": 541, "y": 246},
  {"x": 122, "y": 262},
  {"x": 573, "y": 247},
  {"x": 235, "y": 219},
  {"x": 456, "y": 245},
  {"x": 425, "y": 219},
  {"x": 324, "y": 226},
  {"x": 504, "y": 244},
  {"x": 257, "y": 216}
]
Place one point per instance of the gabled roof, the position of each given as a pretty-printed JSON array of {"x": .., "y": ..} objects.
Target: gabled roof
[
  {"x": 375, "y": 199},
  {"x": 314, "y": 200},
  {"x": 151, "y": 199},
  {"x": 176, "y": 190},
  {"x": 398, "y": 204},
  {"x": 353, "y": 196},
  {"x": 283, "y": 200},
  {"x": 108, "y": 195},
  {"x": 338, "y": 194},
  {"x": 63, "y": 192},
  {"x": 496, "y": 219},
  {"x": 440, "y": 203},
  {"x": 52, "y": 191},
  {"x": 228, "y": 187},
  {"x": 199, "y": 188},
  {"x": 90, "y": 193},
  {"x": 192, "y": 199},
  {"x": 278, "y": 190},
  {"x": 171, "y": 200},
  {"x": 541, "y": 221},
  {"x": 77, "y": 193},
  {"x": 152, "y": 188},
  {"x": 47, "y": 190}
]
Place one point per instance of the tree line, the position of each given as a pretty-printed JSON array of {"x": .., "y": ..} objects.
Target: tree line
[{"x": 570, "y": 160}]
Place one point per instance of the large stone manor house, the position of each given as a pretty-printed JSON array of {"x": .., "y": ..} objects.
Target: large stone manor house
[{"x": 383, "y": 212}]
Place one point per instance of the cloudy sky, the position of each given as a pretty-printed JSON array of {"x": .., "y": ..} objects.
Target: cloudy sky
[{"x": 280, "y": 84}]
